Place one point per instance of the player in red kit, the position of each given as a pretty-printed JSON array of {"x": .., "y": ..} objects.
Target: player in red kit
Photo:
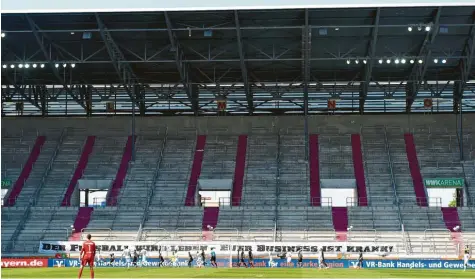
[{"x": 88, "y": 254}]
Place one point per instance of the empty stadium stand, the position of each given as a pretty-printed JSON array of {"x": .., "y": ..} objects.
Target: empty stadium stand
[{"x": 276, "y": 191}]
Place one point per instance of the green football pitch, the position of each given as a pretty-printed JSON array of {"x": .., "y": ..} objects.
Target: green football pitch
[{"x": 233, "y": 273}]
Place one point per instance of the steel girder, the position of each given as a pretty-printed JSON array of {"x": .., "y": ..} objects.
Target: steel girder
[
  {"x": 125, "y": 73},
  {"x": 306, "y": 54},
  {"x": 468, "y": 52},
  {"x": 419, "y": 70},
  {"x": 230, "y": 28},
  {"x": 39, "y": 40},
  {"x": 370, "y": 55},
  {"x": 182, "y": 67},
  {"x": 245, "y": 77},
  {"x": 465, "y": 66}
]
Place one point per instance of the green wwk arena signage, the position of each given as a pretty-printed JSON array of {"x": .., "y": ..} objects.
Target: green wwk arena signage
[{"x": 444, "y": 182}]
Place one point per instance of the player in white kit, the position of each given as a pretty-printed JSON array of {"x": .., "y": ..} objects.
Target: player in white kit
[
  {"x": 98, "y": 255},
  {"x": 289, "y": 258},
  {"x": 126, "y": 255},
  {"x": 271, "y": 261},
  {"x": 143, "y": 254},
  {"x": 466, "y": 259},
  {"x": 199, "y": 260}
]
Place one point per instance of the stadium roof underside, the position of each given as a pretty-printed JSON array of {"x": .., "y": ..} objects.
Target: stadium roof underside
[{"x": 259, "y": 62}]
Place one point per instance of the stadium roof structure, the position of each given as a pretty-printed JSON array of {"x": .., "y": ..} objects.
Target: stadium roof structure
[{"x": 369, "y": 60}]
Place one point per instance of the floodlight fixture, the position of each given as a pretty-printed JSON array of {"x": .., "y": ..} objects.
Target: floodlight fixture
[
  {"x": 56, "y": 65},
  {"x": 412, "y": 61},
  {"x": 73, "y": 65},
  {"x": 357, "y": 62},
  {"x": 4, "y": 66},
  {"x": 388, "y": 61},
  {"x": 436, "y": 60},
  {"x": 364, "y": 61},
  {"x": 20, "y": 66},
  {"x": 428, "y": 28},
  {"x": 380, "y": 61},
  {"x": 27, "y": 66},
  {"x": 420, "y": 61},
  {"x": 42, "y": 66},
  {"x": 3, "y": 35},
  {"x": 348, "y": 62},
  {"x": 403, "y": 61},
  {"x": 409, "y": 28},
  {"x": 444, "y": 61},
  {"x": 396, "y": 61},
  {"x": 34, "y": 65},
  {"x": 12, "y": 66}
]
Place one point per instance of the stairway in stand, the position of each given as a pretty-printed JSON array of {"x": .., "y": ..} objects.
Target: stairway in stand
[
  {"x": 210, "y": 221},
  {"x": 195, "y": 170},
  {"x": 314, "y": 166},
  {"x": 25, "y": 172},
  {"x": 239, "y": 170},
  {"x": 415, "y": 170},
  {"x": 82, "y": 220},
  {"x": 452, "y": 221},
  {"x": 340, "y": 222},
  {"x": 121, "y": 173},
  {"x": 359, "y": 169},
  {"x": 81, "y": 166}
]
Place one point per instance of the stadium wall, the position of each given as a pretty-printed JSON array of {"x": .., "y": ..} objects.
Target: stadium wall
[{"x": 238, "y": 124}]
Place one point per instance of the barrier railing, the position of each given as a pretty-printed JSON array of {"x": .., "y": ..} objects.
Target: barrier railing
[
  {"x": 226, "y": 234},
  {"x": 261, "y": 234},
  {"x": 324, "y": 201},
  {"x": 98, "y": 233},
  {"x": 45, "y": 232},
  {"x": 374, "y": 201},
  {"x": 311, "y": 234},
  {"x": 189, "y": 234},
  {"x": 156, "y": 235},
  {"x": 362, "y": 234}
]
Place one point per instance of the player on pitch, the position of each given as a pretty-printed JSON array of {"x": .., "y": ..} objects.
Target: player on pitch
[{"x": 88, "y": 254}]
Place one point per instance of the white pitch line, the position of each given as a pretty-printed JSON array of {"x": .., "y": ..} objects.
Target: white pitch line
[{"x": 239, "y": 278}]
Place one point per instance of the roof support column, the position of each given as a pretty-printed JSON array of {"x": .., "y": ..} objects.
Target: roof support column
[
  {"x": 245, "y": 78},
  {"x": 39, "y": 39},
  {"x": 419, "y": 70},
  {"x": 371, "y": 50},
  {"x": 182, "y": 67}
]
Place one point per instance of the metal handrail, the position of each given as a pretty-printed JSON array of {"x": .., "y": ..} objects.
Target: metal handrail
[
  {"x": 466, "y": 186},
  {"x": 277, "y": 183},
  {"x": 375, "y": 235},
  {"x": 19, "y": 227},
  {"x": 36, "y": 194},
  {"x": 393, "y": 179}
]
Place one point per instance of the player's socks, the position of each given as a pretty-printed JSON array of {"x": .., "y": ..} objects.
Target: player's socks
[{"x": 92, "y": 273}]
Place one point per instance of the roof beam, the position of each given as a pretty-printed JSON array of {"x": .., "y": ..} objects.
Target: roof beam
[
  {"x": 419, "y": 70},
  {"x": 182, "y": 67},
  {"x": 245, "y": 77},
  {"x": 125, "y": 73},
  {"x": 39, "y": 39},
  {"x": 371, "y": 51}
]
